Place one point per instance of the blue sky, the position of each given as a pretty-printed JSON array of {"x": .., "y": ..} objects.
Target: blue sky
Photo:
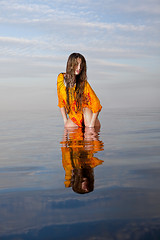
[{"x": 120, "y": 40}]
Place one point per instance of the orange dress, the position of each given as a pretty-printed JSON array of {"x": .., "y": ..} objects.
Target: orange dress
[{"x": 92, "y": 101}]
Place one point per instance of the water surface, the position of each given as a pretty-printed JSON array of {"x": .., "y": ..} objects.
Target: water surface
[{"x": 40, "y": 163}]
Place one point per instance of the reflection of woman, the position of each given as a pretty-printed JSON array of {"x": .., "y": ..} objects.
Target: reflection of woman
[
  {"x": 78, "y": 161},
  {"x": 75, "y": 96}
]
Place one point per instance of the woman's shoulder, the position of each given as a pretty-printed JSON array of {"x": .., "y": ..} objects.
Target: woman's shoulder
[
  {"x": 87, "y": 85},
  {"x": 60, "y": 78}
]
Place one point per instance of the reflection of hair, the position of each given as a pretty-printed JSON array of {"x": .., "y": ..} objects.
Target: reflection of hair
[
  {"x": 70, "y": 78},
  {"x": 78, "y": 178},
  {"x": 82, "y": 176}
]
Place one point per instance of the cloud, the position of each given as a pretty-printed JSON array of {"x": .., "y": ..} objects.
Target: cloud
[
  {"x": 24, "y": 41},
  {"x": 115, "y": 37},
  {"x": 143, "y": 6},
  {"x": 149, "y": 7}
]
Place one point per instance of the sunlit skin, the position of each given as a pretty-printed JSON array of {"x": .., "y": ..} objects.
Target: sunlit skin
[
  {"x": 78, "y": 67},
  {"x": 85, "y": 184}
]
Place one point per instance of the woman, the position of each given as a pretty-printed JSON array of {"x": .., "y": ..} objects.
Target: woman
[{"x": 75, "y": 96}]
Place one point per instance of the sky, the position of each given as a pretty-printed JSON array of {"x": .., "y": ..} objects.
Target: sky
[{"x": 119, "y": 39}]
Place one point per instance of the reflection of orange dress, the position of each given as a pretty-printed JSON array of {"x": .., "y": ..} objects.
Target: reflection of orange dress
[
  {"x": 74, "y": 147},
  {"x": 92, "y": 101}
]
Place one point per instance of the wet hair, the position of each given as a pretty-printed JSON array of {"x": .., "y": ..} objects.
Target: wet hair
[
  {"x": 80, "y": 80},
  {"x": 84, "y": 171},
  {"x": 78, "y": 178}
]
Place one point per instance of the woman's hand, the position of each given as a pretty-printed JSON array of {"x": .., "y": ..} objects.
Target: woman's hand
[
  {"x": 90, "y": 134},
  {"x": 91, "y": 125}
]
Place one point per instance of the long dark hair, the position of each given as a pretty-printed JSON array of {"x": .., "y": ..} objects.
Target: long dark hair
[
  {"x": 78, "y": 177},
  {"x": 80, "y": 173},
  {"x": 71, "y": 79}
]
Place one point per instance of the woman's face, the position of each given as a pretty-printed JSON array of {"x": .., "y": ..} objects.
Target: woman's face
[
  {"x": 78, "y": 67},
  {"x": 85, "y": 184}
]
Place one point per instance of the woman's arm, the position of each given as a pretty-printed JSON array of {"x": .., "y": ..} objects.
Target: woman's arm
[
  {"x": 64, "y": 114},
  {"x": 93, "y": 119},
  {"x": 90, "y": 119}
]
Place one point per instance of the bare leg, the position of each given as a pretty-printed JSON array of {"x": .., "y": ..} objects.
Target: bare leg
[
  {"x": 70, "y": 124},
  {"x": 87, "y": 114}
]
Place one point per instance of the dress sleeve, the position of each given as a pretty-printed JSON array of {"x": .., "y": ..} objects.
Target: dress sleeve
[
  {"x": 61, "y": 90},
  {"x": 92, "y": 100}
]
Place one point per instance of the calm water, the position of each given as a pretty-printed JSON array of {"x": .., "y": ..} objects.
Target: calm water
[{"x": 42, "y": 167}]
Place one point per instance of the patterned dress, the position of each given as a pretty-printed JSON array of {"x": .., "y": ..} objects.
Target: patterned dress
[{"x": 91, "y": 100}]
